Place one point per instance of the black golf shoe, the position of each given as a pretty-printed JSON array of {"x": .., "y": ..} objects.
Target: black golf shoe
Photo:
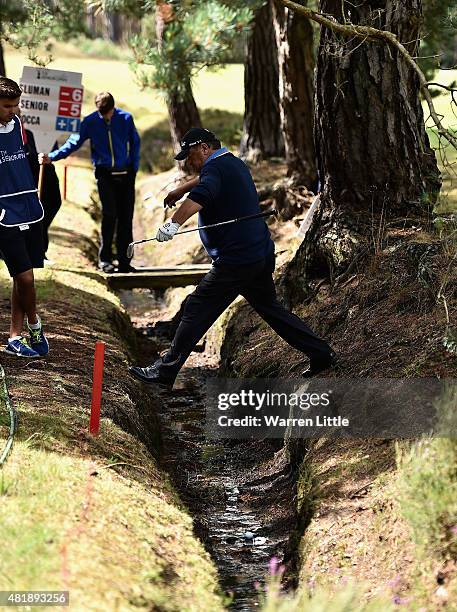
[
  {"x": 319, "y": 365},
  {"x": 159, "y": 373},
  {"x": 126, "y": 269},
  {"x": 106, "y": 266}
]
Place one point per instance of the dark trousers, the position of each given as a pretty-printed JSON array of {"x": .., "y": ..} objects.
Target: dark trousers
[
  {"x": 117, "y": 195},
  {"x": 216, "y": 292},
  {"x": 51, "y": 200}
]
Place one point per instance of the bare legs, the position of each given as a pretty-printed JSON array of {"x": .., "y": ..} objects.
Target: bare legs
[{"x": 23, "y": 302}]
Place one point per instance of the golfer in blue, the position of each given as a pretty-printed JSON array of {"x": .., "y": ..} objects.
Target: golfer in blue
[{"x": 242, "y": 254}]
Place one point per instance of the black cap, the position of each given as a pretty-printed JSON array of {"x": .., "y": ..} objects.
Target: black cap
[{"x": 193, "y": 137}]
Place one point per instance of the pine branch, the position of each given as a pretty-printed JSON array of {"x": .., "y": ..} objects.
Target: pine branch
[{"x": 370, "y": 34}]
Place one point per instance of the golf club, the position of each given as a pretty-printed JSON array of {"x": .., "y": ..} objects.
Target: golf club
[{"x": 268, "y": 213}]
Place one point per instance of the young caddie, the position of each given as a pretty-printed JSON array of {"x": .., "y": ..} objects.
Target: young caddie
[{"x": 21, "y": 232}]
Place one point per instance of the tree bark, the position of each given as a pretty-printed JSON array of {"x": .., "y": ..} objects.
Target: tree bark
[
  {"x": 294, "y": 40},
  {"x": 182, "y": 110},
  {"x": 2, "y": 55},
  {"x": 2, "y": 61},
  {"x": 374, "y": 157},
  {"x": 114, "y": 27},
  {"x": 262, "y": 136},
  {"x": 183, "y": 114}
]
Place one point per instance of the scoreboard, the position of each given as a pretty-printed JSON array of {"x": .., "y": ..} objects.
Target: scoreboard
[{"x": 51, "y": 104}]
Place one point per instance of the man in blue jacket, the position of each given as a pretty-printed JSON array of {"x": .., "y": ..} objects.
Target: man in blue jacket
[
  {"x": 115, "y": 149},
  {"x": 243, "y": 259}
]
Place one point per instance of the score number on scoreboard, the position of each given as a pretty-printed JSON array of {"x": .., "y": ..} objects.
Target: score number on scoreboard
[{"x": 69, "y": 109}]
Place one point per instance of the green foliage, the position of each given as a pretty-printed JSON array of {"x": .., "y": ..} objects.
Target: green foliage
[
  {"x": 427, "y": 486},
  {"x": 198, "y": 35},
  {"x": 68, "y": 19},
  {"x": 11, "y": 11},
  {"x": 252, "y": 5},
  {"x": 31, "y": 23},
  {"x": 102, "y": 48},
  {"x": 148, "y": 28},
  {"x": 133, "y": 8},
  {"x": 156, "y": 148},
  {"x": 31, "y": 30},
  {"x": 439, "y": 32}
]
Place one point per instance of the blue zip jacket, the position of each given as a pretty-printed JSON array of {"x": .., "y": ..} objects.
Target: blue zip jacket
[
  {"x": 114, "y": 145},
  {"x": 19, "y": 202}
]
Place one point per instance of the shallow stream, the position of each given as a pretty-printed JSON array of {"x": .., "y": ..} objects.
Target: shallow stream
[{"x": 239, "y": 493}]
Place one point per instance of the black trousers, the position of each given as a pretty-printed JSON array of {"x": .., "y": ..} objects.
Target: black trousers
[
  {"x": 51, "y": 200},
  {"x": 117, "y": 195},
  {"x": 216, "y": 292}
]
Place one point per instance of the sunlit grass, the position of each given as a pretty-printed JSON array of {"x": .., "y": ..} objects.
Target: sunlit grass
[
  {"x": 443, "y": 102},
  {"x": 94, "y": 516},
  {"x": 223, "y": 89}
]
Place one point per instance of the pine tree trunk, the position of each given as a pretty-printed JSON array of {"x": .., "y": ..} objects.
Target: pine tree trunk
[
  {"x": 374, "y": 158},
  {"x": 115, "y": 27},
  {"x": 2, "y": 56},
  {"x": 262, "y": 136},
  {"x": 183, "y": 114},
  {"x": 2, "y": 61},
  {"x": 294, "y": 39},
  {"x": 182, "y": 110}
]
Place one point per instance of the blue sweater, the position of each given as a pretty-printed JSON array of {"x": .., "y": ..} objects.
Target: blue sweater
[
  {"x": 226, "y": 191},
  {"x": 114, "y": 145}
]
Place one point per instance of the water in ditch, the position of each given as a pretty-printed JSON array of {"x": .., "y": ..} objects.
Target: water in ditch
[{"x": 240, "y": 493}]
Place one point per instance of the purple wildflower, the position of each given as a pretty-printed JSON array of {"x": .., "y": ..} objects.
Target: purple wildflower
[{"x": 273, "y": 566}]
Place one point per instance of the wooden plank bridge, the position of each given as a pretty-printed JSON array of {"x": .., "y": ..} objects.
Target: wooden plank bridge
[{"x": 159, "y": 278}]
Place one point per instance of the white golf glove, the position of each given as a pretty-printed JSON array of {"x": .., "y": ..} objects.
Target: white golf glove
[{"x": 167, "y": 231}]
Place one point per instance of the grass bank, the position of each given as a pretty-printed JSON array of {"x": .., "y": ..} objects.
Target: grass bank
[
  {"x": 378, "y": 518},
  {"x": 94, "y": 516},
  {"x": 383, "y": 532}
]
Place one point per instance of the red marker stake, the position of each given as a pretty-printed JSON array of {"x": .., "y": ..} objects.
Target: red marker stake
[{"x": 94, "y": 426}]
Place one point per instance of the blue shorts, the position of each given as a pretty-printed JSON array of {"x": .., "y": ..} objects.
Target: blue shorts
[{"x": 22, "y": 250}]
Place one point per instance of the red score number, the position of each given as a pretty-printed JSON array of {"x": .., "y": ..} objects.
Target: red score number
[
  {"x": 71, "y": 94},
  {"x": 69, "y": 110},
  {"x": 70, "y": 99}
]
